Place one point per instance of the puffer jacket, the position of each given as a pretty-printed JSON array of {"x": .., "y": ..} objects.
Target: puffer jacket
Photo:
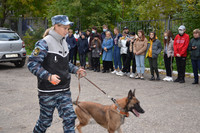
[
  {"x": 156, "y": 48},
  {"x": 122, "y": 45}
]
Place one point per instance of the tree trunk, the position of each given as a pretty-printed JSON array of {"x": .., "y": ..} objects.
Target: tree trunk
[
  {"x": 4, "y": 13},
  {"x": 2, "y": 21}
]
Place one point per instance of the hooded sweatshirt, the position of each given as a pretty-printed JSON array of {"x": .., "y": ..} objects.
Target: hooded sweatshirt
[{"x": 181, "y": 44}]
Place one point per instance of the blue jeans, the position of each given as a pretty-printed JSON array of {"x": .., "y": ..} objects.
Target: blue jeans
[
  {"x": 62, "y": 101},
  {"x": 140, "y": 63},
  {"x": 117, "y": 58},
  {"x": 196, "y": 67}
]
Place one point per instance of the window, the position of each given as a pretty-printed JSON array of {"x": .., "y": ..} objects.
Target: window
[{"x": 8, "y": 36}]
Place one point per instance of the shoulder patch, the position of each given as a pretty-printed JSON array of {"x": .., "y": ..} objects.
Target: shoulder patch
[{"x": 36, "y": 51}]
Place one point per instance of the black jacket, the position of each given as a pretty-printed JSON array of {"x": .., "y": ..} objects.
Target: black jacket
[
  {"x": 82, "y": 45},
  {"x": 195, "y": 53}
]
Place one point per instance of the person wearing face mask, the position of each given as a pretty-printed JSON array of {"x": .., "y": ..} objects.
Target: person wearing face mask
[
  {"x": 181, "y": 43},
  {"x": 76, "y": 36},
  {"x": 168, "y": 54},
  {"x": 92, "y": 36},
  {"x": 103, "y": 34},
  {"x": 153, "y": 50},
  {"x": 194, "y": 47}
]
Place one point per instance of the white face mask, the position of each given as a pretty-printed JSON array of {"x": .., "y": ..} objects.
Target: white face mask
[
  {"x": 104, "y": 30},
  {"x": 181, "y": 32},
  {"x": 166, "y": 37}
]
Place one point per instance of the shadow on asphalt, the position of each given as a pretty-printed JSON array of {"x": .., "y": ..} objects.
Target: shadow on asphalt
[{"x": 7, "y": 66}]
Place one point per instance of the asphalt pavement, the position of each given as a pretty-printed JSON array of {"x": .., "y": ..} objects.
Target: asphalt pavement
[{"x": 169, "y": 107}]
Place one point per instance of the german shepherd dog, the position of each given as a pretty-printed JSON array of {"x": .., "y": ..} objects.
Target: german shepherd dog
[{"x": 108, "y": 116}]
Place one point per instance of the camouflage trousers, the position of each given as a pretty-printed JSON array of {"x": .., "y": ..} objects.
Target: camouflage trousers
[{"x": 62, "y": 101}]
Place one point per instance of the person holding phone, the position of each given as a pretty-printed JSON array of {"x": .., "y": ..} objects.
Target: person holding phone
[{"x": 194, "y": 47}]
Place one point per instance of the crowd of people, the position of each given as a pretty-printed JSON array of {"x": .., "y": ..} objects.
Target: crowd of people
[
  {"x": 128, "y": 50},
  {"x": 52, "y": 62}
]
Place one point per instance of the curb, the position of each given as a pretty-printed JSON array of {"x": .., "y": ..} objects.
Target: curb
[{"x": 162, "y": 71}]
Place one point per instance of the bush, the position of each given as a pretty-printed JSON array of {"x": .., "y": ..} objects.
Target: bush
[{"x": 31, "y": 37}]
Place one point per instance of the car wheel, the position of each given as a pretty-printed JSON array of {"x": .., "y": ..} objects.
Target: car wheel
[{"x": 20, "y": 63}]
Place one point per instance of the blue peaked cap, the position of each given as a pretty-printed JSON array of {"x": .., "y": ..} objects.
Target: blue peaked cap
[{"x": 61, "y": 19}]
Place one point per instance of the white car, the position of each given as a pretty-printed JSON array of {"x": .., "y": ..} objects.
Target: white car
[{"x": 12, "y": 48}]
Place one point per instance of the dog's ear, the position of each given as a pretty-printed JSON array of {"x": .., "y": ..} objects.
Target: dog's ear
[
  {"x": 130, "y": 94},
  {"x": 133, "y": 93}
]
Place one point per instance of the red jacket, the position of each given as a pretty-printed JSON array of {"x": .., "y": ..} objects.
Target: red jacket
[{"x": 181, "y": 44}]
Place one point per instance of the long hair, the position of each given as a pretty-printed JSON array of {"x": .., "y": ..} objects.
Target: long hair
[
  {"x": 98, "y": 41},
  {"x": 154, "y": 35},
  {"x": 169, "y": 36},
  {"x": 47, "y": 31},
  {"x": 143, "y": 35},
  {"x": 117, "y": 29}
]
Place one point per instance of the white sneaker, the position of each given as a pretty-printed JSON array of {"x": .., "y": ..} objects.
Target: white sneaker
[
  {"x": 120, "y": 73},
  {"x": 132, "y": 75},
  {"x": 137, "y": 76},
  {"x": 165, "y": 79},
  {"x": 169, "y": 79},
  {"x": 114, "y": 72}
]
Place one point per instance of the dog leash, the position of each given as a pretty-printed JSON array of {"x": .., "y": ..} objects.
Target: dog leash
[{"x": 117, "y": 107}]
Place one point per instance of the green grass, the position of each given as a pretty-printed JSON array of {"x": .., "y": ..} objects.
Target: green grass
[{"x": 28, "y": 52}]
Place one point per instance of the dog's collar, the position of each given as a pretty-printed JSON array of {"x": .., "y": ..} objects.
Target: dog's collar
[{"x": 126, "y": 114}]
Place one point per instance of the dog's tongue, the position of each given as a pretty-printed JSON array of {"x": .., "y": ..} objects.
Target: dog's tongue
[{"x": 136, "y": 113}]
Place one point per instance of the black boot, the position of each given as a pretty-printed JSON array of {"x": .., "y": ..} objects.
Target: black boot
[
  {"x": 158, "y": 78},
  {"x": 152, "y": 78},
  {"x": 182, "y": 81},
  {"x": 195, "y": 82},
  {"x": 157, "y": 73},
  {"x": 103, "y": 71},
  {"x": 177, "y": 80}
]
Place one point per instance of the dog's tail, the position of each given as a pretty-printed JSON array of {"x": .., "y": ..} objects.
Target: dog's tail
[{"x": 75, "y": 103}]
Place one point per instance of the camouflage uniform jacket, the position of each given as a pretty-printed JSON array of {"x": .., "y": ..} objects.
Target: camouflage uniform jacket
[{"x": 51, "y": 56}]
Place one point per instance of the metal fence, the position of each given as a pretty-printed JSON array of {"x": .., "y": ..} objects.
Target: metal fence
[
  {"x": 21, "y": 25},
  {"x": 159, "y": 26}
]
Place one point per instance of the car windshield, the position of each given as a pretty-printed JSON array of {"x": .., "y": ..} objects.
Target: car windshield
[{"x": 8, "y": 36}]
